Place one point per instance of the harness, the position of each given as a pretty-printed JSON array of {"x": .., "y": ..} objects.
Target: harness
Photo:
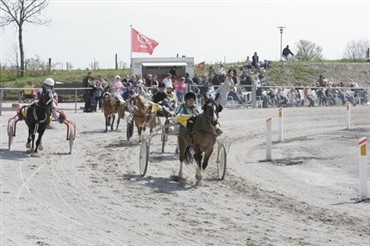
[{"x": 39, "y": 121}]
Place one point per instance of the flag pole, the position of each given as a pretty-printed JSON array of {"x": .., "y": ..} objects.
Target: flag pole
[{"x": 131, "y": 47}]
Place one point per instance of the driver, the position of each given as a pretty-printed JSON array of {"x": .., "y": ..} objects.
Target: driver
[
  {"x": 188, "y": 107},
  {"x": 48, "y": 85}
]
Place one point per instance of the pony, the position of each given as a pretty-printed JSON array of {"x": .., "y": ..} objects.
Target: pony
[
  {"x": 142, "y": 114},
  {"x": 199, "y": 138},
  {"x": 110, "y": 108},
  {"x": 37, "y": 117}
]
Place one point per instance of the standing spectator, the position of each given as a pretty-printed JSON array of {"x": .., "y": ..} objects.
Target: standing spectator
[
  {"x": 180, "y": 88},
  {"x": 223, "y": 90},
  {"x": 188, "y": 81},
  {"x": 103, "y": 83},
  {"x": 149, "y": 80},
  {"x": 117, "y": 87},
  {"x": 86, "y": 95},
  {"x": 211, "y": 73},
  {"x": 173, "y": 71},
  {"x": 92, "y": 85},
  {"x": 168, "y": 80},
  {"x": 255, "y": 60},
  {"x": 98, "y": 95},
  {"x": 287, "y": 54}
]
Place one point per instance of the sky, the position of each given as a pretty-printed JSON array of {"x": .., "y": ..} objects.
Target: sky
[{"x": 82, "y": 32}]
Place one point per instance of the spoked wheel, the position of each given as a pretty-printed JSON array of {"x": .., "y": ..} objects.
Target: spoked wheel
[
  {"x": 71, "y": 139},
  {"x": 10, "y": 135},
  {"x": 144, "y": 157},
  {"x": 221, "y": 162},
  {"x": 164, "y": 137},
  {"x": 129, "y": 130}
]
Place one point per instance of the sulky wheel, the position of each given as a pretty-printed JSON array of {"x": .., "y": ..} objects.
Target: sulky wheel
[
  {"x": 10, "y": 135},
  {"x": 221, "y": 161},
  {"x": 71, "y": 139},
  {"x": 129, "y": 129},
  {"x": 144, "y": 157}
]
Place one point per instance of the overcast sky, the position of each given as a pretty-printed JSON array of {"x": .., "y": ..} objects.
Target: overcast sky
[{"x": 213, "y": 31}]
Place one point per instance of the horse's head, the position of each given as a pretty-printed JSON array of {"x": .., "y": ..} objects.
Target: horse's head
[
  {"x": 46, "y": 99},
  {"x": 211, "y": 109},
  {"x": 107, "y": 96},
  {"x": 139, "y": 102}
]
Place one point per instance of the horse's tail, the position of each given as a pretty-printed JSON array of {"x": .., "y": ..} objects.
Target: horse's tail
[{"x": 188, "y": 155}]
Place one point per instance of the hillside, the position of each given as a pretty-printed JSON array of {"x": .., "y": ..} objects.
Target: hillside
[{"x": 288, "y": 73}]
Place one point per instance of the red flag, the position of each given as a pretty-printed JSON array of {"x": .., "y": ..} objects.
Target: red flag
[
  {"x": 202, "y": 65},
  {"x": 141, "y": 43}
]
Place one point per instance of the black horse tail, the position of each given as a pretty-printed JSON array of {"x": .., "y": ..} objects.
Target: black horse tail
[{"x": 188, "y": 156}]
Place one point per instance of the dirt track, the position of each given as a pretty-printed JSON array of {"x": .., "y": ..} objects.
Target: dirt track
[{"x": 307, "y": 195}]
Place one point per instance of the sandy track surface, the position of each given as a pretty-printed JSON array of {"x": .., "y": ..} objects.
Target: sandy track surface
[{"x": 307, "y": 195}]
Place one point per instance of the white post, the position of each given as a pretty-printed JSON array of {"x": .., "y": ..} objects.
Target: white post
[
  {"x": 280, "y": 124},
  {"x": 348, "y": 115},
  {"x": 268, "y": 139},
  {"x": 363, "y": 169}
]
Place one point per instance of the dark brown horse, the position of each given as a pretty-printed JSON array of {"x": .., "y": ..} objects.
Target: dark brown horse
[
  {"x": 199, "y": 138},
  {"x": 142, "y": 114},
  {"x": 37, "y": 119}
]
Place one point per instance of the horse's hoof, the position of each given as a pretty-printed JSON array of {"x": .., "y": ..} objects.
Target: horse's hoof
[
  {"x": 34, "y": 154},
  {"x": 41, "y": 147},
  {"x": 30, "y": 151},
  {"x": 199, "y": 183},
  {"x": 28, "y": 145}
]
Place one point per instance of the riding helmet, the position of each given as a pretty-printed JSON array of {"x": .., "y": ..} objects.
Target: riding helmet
[
  {"x": 189, "y": 95},
  {"x": 49, "y": 82}
]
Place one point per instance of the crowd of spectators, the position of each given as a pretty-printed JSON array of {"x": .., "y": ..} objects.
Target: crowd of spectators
[{"x": 230, "y": 84}]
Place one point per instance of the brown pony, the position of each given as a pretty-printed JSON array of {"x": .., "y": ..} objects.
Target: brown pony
[
  {"x": 199, "y": 138},
  {"x": 110, "y": 109},
  {"x": 142, "y": 114}
]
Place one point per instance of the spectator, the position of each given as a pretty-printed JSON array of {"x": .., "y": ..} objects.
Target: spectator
[
  {"x": 168, "y": 80},
  {"x": 103, "y": 83},
  {"x": 188, "y": 81},
  {"x": 149, "y": 80},
  {"x": 173, "y": 71},
  {"x": 117, "y": 88},
  {"x": 255, "y": 61},
  {"x": 180, "y": 88},
  {"x": 98, "y": 95},
  {"x": 309, "y": 96},
  {"x": 287, "y": 53},
  {"x": 86, "y": 95},
  {"x": 129, "y": 92},
  {"x": 223, "y": 90}
]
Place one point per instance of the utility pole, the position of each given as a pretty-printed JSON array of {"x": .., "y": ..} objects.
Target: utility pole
[{"x": 281, "y": 41}]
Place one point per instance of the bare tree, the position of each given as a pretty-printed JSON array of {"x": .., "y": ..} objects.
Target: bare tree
[
  {"x": 20, "y": 12},
  {"x": 307, "y": 51},
  {"x": 357, "y": 49}
]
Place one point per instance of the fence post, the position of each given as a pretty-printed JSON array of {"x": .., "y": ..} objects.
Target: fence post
[
  {"x": 363, "y": 169},
  {"x": 280, "y": 124},
  {"x": 1, "y": 101},
  {"x": 254, "y": 95},
  {"x": 268, "y": 139},
  {"x": 75, "y": 100},
  {"x": 348, "y": 115}
]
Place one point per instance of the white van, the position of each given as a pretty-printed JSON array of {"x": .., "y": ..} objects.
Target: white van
[{"x": 161, "y": 66}]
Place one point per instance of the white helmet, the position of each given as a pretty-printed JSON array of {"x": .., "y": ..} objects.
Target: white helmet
[{"x": 49, "y": 82}]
